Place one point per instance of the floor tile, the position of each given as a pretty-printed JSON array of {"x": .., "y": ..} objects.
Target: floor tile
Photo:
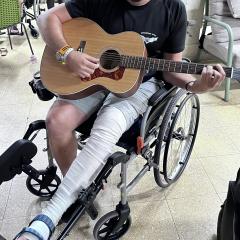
[
  {"x": 221, "y": 170},
  {"x": 195, "y": 217},
  {"x": 27, "y": 204},
  {"x": 212, "y": 141},
  {"x": 233, "y": 132},
  {"x": 145, "y": 190},
  {"x": 84, "y": 227},
  {"x": 1, "y": 235},
  {"x": 4, "y": 195},
  {"x": 193, "y": 182},
  {"x": 10, "y": 227},
  {"x": 151, "y": 220}
]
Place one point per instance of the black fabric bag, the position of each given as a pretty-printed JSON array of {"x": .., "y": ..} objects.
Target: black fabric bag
[{"x": 229, "y": 216}]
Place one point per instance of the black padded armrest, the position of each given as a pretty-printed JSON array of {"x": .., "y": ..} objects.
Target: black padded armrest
[
  {"x": 160, "y": 95},
  {"x": 11, "y": 161}
]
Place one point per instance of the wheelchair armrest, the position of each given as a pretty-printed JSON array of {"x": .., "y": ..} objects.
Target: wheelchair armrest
[
  {"x": 11, "y": 161},
  {"x": 34, "y": 126},
  {"x": 160, "y": 95}
]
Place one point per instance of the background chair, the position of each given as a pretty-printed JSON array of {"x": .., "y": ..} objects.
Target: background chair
[
  {"x": 10, "y": 14},
  {"x": 224, "y": 40}
]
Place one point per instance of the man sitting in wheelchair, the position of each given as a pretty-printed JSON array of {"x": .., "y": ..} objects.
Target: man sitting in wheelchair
[{"x": 163, "y": 26}]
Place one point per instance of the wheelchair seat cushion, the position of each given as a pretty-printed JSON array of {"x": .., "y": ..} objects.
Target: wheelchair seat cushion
[{"x": 19, "y": 153}]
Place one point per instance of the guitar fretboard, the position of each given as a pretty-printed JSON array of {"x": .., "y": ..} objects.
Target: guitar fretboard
[{"x": 165, "y": 65}]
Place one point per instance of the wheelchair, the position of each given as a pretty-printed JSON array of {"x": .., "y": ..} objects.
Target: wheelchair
[
  {"x": 164, "y": 136},
  {"x": 32, "y": 9}
]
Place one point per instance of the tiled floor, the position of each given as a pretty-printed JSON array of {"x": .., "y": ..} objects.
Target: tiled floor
[{"x": 187, "y": 210}]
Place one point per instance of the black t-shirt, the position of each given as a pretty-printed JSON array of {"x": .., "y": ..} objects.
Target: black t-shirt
[{"x": 161, "y": 23}]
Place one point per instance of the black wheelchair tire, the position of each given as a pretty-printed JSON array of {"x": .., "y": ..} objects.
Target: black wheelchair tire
[
  {"x": 105, "y": 220},
  {"x": 43, "y": 191},
  {"x": 166, "y": 130}
]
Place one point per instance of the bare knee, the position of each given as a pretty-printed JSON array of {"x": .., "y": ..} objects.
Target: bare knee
[{"x": 63, "y": 118}]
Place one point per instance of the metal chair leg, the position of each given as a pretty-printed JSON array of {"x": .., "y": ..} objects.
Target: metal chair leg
[
  {"x": 29, "y": 43},
  {"x": 227, "y": 89},
  {"x": 9, "y": 37}
]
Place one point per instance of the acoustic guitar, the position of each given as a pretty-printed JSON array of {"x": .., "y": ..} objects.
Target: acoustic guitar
[{"x": 123, "y": 62}]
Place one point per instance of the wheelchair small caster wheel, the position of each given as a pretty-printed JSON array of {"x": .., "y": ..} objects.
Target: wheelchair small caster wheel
[
  {"x": 103, "y": 228},
  {"x": 45, "y": 185}
]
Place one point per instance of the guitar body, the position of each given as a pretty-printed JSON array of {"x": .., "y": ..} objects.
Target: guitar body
[{"x": 121, "y": 81}]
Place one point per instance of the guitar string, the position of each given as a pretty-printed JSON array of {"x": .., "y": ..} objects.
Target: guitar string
[
  {"x": 162, "y": 63},
  {"x": 153, "y": 61}
]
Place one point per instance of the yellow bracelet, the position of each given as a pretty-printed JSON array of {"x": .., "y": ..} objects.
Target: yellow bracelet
[{"x": 64, "y": 49}]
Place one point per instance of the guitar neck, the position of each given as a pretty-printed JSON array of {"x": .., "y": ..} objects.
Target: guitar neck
[{"x": 166, "y": 65}]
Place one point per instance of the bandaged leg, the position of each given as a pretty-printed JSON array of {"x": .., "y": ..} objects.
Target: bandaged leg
[
  {"x": 113, "y": 120},
  {"x": 108, "y": 128}
]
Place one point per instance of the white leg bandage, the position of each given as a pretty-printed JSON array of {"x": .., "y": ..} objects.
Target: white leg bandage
[
  {"x": 107, "y": 129},
  {"x": 114, "y": 119}
]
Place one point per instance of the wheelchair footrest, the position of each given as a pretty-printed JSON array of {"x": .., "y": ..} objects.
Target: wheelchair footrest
[{"x": 18, "y": 154}]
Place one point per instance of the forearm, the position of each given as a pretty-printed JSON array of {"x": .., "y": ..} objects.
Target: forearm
[
  {"x": 50, "y": 26},
  {"x": 178, "y": 79}
]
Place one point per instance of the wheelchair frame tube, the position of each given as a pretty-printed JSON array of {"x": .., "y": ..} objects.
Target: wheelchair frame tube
[
  {"x": 139, "y": 176},
  {"x": 126, "y": 188},
  {"x": 49, "y": 153},
  {"x": 123, "y": 183},
  {"x": 144, "y": 121}
]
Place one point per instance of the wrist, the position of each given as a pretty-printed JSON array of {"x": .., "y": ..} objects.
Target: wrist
[
  {"x": 66, "y": 54},
  {"x": 70, "y": 57},
  {"x": 62, "y": 54},
  {"x": 189, "y": 86}
]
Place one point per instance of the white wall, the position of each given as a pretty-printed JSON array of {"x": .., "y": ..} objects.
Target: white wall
[{"x": 195, "y": 14}]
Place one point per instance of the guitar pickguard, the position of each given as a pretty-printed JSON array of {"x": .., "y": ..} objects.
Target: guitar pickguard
[{"x": 116, "y": 75}]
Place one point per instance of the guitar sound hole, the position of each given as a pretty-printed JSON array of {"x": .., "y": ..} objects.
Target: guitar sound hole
[{"x": 110, "y": 59}]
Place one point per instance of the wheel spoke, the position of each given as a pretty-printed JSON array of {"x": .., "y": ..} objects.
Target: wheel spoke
[
  {"x": 104, "y": 230},
  {"x": 47, "y": 188},
  {"x": 35, "y": 184},
  {"x": 40, "y": 189},
  {"x": 52, "y": 185},
  {"x": 38, "y": 180}
]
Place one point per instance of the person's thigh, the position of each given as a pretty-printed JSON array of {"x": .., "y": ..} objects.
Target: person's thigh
[
  {"x": 71, "y": 113},
  {"x": 136, "y": 104}
]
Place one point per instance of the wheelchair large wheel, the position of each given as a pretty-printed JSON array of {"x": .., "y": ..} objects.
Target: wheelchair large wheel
[
  {"x": 176, "y": 137},
  {"x": 103, "y": 228}
]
